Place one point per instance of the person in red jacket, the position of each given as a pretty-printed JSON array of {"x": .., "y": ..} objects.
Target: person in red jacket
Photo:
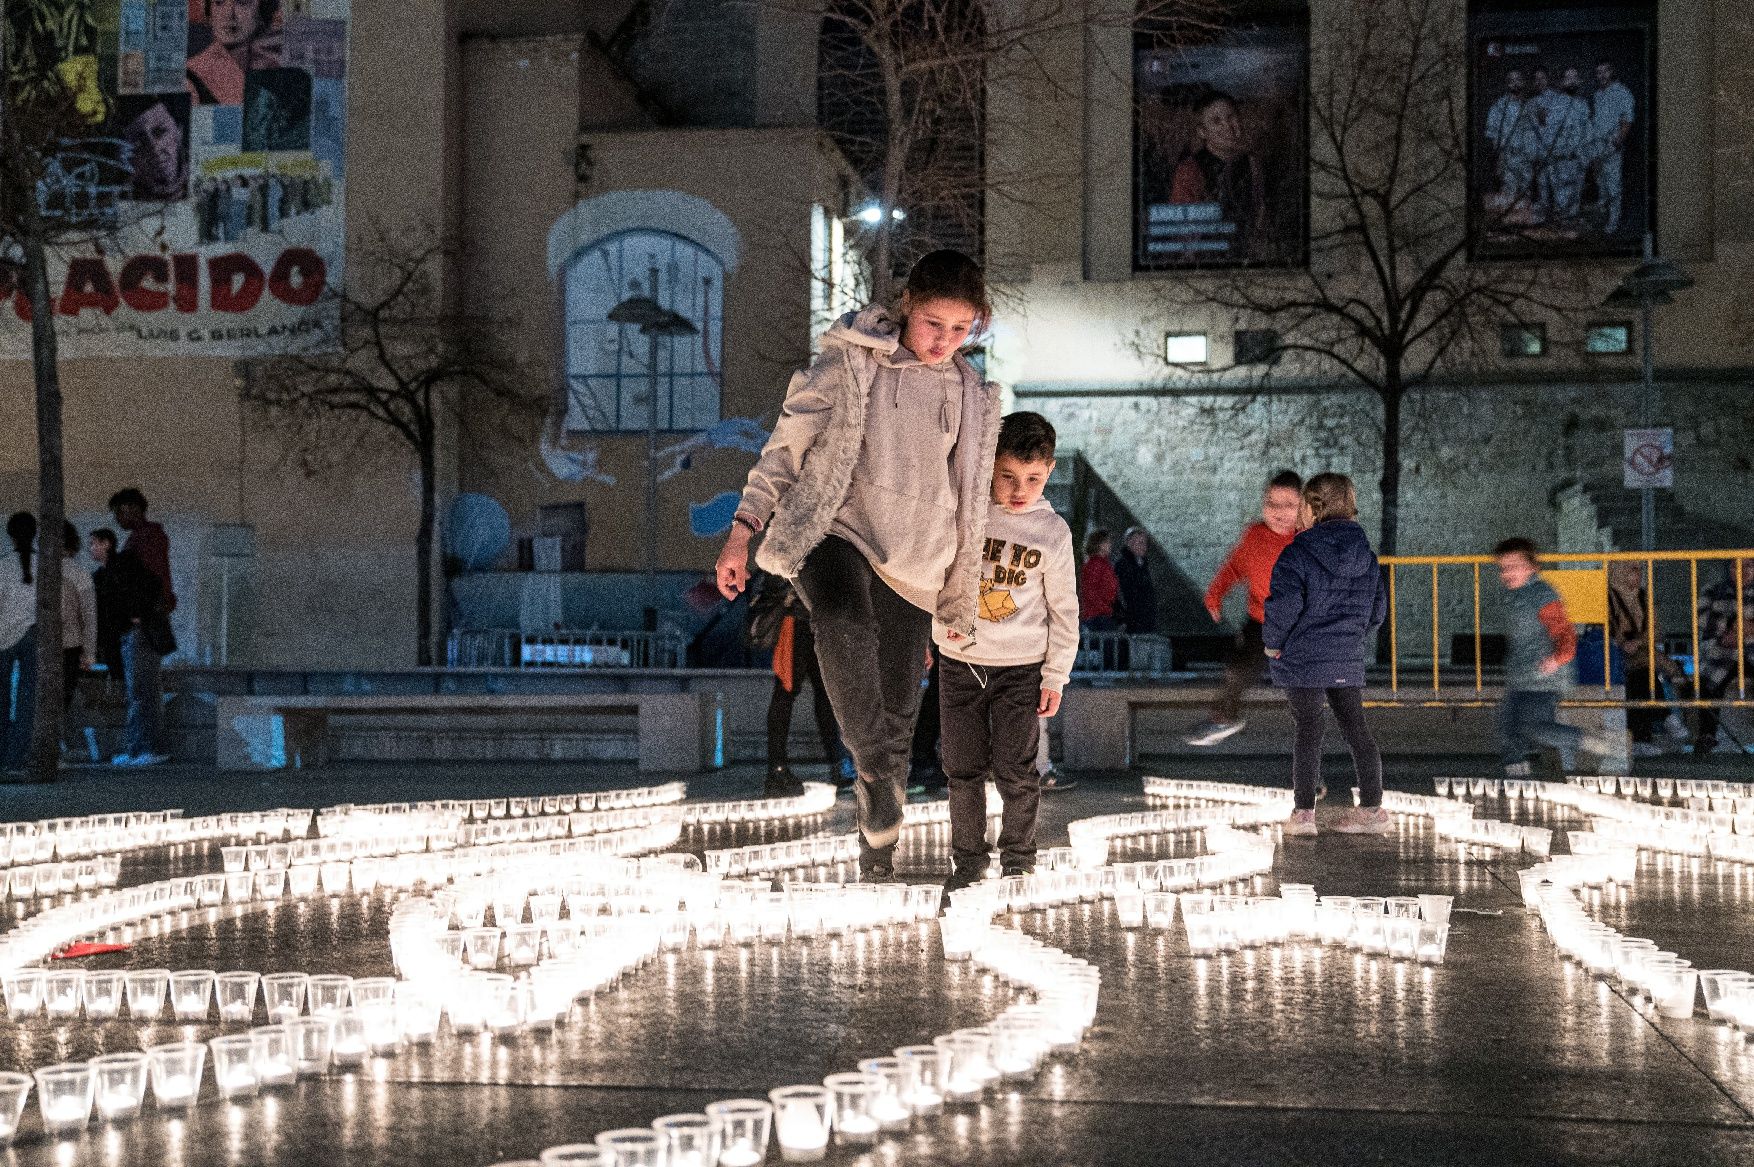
[
  {"x": 1099, "y": 588},
  {"x": 1250, "y": 562}
]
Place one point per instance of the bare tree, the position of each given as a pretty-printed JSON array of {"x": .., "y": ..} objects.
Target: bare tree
[
  {"x": 40, "y": 112},
  {"x": 1392, "y": 296},
  {"x": 406, "y": 360}
]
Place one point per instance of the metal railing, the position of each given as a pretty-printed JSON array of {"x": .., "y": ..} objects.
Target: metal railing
[
  {"x": 506, "y": 648},
  {"x": 1141, "y": 655},
  {"x": 1582, "y": 581}
]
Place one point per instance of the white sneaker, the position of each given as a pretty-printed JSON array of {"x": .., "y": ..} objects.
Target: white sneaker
[
  {"x": 1210, "y": 733},
  {"x": 1301, "y": 824},
  {"x": 1365, "y": 822}
]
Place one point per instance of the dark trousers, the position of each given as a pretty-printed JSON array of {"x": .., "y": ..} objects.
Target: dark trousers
[
  {"x": 1242, "y": 671},
  {"x": 990, "y": 725},
  {"x": 1528, "y": 718},
  {"x": 871, "y": 647},
  {"x": 926, "y": 729},
  {"x": 1306, "y": 753},
  {"x": 779, "y": 705},
  {"x": 1642, "y": 723}
]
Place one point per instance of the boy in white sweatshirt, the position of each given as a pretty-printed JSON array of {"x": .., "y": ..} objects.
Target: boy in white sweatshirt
[{"x": 994, "y": 688}]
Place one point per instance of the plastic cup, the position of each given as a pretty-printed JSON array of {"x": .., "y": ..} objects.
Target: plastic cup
[
  {"x": 24, "y": 993},
  {"x": 330, "y": 993},
  {"x": 690, "y": 1140},
  {"x": 745, "y": 1126},
  {"x": 236, "y": 993},
  {"x": 576, "y": 1155},
  {"x": 103, "y": 995},
  {"x": 348, "y": 1046},
  {"x": 801, "y": 1118},
  {"x": 63, "y": 990},
  {"x": 890, "y": 1106},
  {"x": 633, "y": 1147},
  {"x": 1720, "y": 986},
  {"x": 853, "y": 1117},
  {"x": 120, "y": 1085},
  {"x": 1435, "y": 909},
  {"x": 284, "y": 994},
  {"x": 64, "y": 1096},
  {"x": 146, "y": 990},
  {"x": 233, "y": 1067},
  {"x": 14, "y": 1092},
  {"x": 176, "y": 1073},
  {"x": 271, "y": 1053},
  {"x": 1160, "y": 910},
  {"x": 191, "y": 994},
  {"x": 922, "y": 1068},
  {"x": 310, "y": 1043}
]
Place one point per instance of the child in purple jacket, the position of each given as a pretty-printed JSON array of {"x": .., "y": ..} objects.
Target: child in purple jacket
[{"x": 1326, "y": 603}]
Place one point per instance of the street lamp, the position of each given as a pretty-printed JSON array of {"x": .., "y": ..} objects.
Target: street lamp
[
  {"x": 1654, "y": 282},
  {"x": 655, "y": 323}
]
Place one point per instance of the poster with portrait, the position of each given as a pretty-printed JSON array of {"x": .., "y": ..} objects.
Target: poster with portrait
[
  {"x": 203, "y": 212},
  {"x": 1219, "y": 160},
  {"x": 1561, "y": 141}
]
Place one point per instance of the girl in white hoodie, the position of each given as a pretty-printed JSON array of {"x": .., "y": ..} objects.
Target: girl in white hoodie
[{"x": 872, "y": 496}]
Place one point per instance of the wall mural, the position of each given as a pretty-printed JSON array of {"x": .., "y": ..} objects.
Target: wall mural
[{"x": 207, "y": 197}]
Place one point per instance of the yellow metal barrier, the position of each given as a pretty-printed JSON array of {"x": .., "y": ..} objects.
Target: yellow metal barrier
[{"x": 1582, "y": 582}]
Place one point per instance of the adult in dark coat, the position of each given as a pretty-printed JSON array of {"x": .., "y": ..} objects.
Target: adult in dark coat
[
  {"x": 1138, "y": 593},
  {"x": 1327, "y": 601}
]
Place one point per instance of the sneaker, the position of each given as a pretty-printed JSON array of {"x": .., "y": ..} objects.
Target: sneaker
[
  {"x": 781, "y": 782},
  {"x": 1009, "y": 870},
  {"x": 151, "y": 759},
  {"x": 123, "y": 760},
  {"x": 1053, "y": 780},
  {"x": 1365, "y": 822},
  {"x": 1210, "y": 733},
  {"x": 1301, "y": 824}
]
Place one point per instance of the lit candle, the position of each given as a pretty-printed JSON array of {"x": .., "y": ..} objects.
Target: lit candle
[
  {"x": 174, "y": 1088},
  {"x": 800, "y": 1128},
  {"x": 234, "y": 1080},
  {"x": 740, "y": 1155},
  {"x": 857, "y": 1128},
  {"x": 889, "y": 1110},
  {"x": 65, "y": 1112}
]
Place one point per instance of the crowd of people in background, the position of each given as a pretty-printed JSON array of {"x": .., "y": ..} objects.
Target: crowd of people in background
[{"x": 115, "y": 624}]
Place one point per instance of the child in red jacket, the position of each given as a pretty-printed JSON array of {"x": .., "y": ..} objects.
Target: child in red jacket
[{"x": 1250, "y": 562}]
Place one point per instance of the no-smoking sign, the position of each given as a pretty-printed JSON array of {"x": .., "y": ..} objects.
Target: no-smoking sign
[{"x": 1650, "y": 458}]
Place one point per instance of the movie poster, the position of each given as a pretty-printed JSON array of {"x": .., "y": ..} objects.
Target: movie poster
[
  {"x": 1562, "y": 144},
  {"x": 1219, "y": 149},
  {"x": 202, "y": 215}
]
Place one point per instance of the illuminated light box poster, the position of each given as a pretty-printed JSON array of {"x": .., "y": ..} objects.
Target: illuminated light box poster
[
  {"x": 203, "y": 213},
  {"x": 1220, "y": 151},
  {"x": 1561, "y": 142}
]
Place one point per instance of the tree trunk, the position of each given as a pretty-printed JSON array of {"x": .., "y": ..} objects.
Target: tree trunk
[
  {"x": 423, "y": 548},
  {"x": 45, "y": 741},
  {"x": 894, "y": 158},
  {"x": 1393, "y": 393}
]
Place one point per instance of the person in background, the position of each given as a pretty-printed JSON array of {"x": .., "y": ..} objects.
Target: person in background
[
  {"x": 1250, "y": 562},
  {"x": 1629, "y": 624},
  {"x": 146, "y": 639},
  {"x": 1326, "y": 603},
  {"x": 779, "y": 621},
  {"x": 1726, "y": 650},
  {"x": 78, "y": 629},
  {"x": 112, "y": 608},
  {"x": 1138, "y": 593},
  {"x": 1099, "y": 588},
  {"x": 18, "y": 640}
]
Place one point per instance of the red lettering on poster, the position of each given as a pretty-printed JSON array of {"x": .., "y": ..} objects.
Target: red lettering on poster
[
  {"x": 143, "y": 283},
  {"x": 186, "y": 281},
  {"x": 310, "y": 271},
  {"x": 88, "y": 286},
  {"x": 235, "y": 282}
]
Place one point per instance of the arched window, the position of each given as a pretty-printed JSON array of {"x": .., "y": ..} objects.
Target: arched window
[{"x": 608, "y": 365}]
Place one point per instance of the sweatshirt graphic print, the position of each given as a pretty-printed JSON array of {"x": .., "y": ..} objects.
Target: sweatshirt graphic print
[{"x": 1028, "y": 597}]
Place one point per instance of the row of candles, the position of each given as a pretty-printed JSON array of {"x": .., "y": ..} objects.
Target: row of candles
[
  {"x": 357, "y": 818},
  {"x": 88, "y": 835},
  {"x": 886, "y": 1096}
]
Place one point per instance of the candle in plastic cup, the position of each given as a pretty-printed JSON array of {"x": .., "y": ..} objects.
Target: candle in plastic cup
[
  {"x": 922, "y": 1078},
  {"x": 889, "y": 1107},
  {"x": 633, "y": 1147},
  {"x": 176, "y": 1073},
  {"x": 1435, "y": 909},
  {"x": 853, "y": 1095},
  {"x": 284, "y": 994},
  {"x": 330, "y": 993},
  {"x": 347, "y": 1046},
  {"x": 690, "y": 1140},
  {"x": 120, "y": 1087},
  {"x": 237, "y": 996},
  {"x": 103, "y": 995},
  {"x": 191, "y": 993},
  {"x": 744, "y": 1128},
  {"x": 24, "y": 993},
  {"x": 14, "y": 1091},
  {"x": 232, "y": 1065},
  {"x": 272, "y": 1056},
  {"x": 64, "y": 1096},
  {"x": 801, "y": 1122},
  {"x": 310, "y": 1044}
]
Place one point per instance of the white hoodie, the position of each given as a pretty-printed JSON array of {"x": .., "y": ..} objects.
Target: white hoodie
[{"x": 1029, "y": 596}]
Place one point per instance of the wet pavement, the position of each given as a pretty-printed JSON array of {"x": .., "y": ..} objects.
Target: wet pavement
[{"x": 1298, "y": 1054}]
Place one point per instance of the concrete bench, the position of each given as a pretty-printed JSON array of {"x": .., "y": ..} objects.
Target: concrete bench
[
  {"x": 270, "y": 732},
  {"x": 1099, "y": 728}
]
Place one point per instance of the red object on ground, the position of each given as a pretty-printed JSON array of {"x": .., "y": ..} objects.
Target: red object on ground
[{"x": 75, "y": 951}]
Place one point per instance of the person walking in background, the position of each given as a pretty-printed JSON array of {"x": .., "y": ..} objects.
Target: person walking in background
[
  {"x": 779, "y": 623},
  {"x": 78, "y": 631},
  {"x": 1726, "y": 650},
  {"x": 1540, "y": 645},
  {"x": 112, "y": 605},
  {"x": 872, "y": 495},
  {"x": 1250, "y": 563},
  {"x": 18, "y": 640},
  {"x": 147, "y": 638},
  {"x": 1138, "y": 594},
  {"x": 1326, "y": 602}
]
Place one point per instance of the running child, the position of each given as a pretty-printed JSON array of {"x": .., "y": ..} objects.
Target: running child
[{"x": 994, "y": 691}]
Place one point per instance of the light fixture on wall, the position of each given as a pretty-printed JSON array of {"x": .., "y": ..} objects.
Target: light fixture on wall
[
  {"x": 1185, "y": 348},
  {"x": 871, "y": 214}
]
